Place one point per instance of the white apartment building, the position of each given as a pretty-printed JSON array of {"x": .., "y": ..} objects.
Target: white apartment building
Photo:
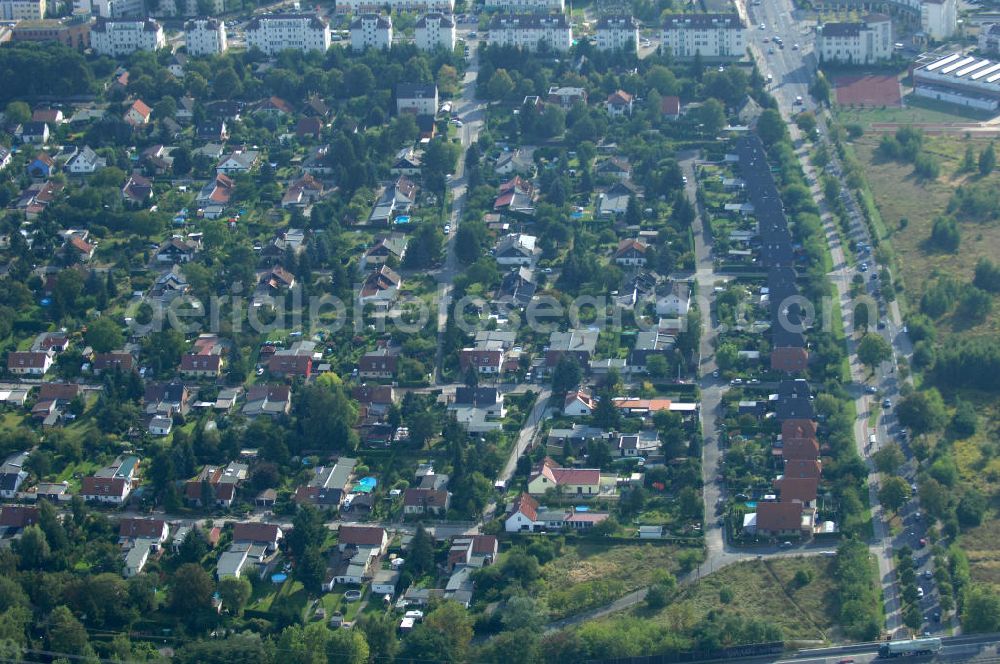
[
  {"x": 205, "y": 36},
  {"x": 188, "y": 8},
  {"x": 861, "y": 43},
  {"x": 939, "y": 18},
  {"x": 118, "y": 8},
  {"x": 616, "y": 33},
  {"x": 356, "y": 7},
  {"x": 714, "y": 36},
  {"x": 371, "y": 31},
  {"x": 116, "y": 38},
  {"x": 22, "y": 10},
  {"x": 435, "y": 30},
  {"x": 274, "y": 33},
  {"x": 527, "y": 5},
  {"x": 529, "y": 31},
  {"x": 416, "y": 98}
]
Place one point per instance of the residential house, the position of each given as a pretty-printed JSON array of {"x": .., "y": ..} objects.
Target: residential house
[
  {"x": 417, "y": 98},
  {"x": 137, "y": 190},
  {"x": 212, "y": 130},
  {"x": 29, "y": 363},
  {"x": 362, "y": 536},
  {"x": 52, "y": 400},
  {"x": 85, "y": 162},
  {"x": 138, "y": 114},
  {"x": 566, "y": 97},
  {"x": 329, "y": 485},
  {"x": 676, "y": 302},
  {"x": 275, "y": 106},
  {"x": 517, "y": 288},
  {"x": 166, "y": 399},
  {"x": 160, "y": 425},
  {"x": 579, "y": 404},
  {"x": 287, "y": 365},
  {"x": 407, "y": 162},
  {"x": 426, "y": 501},
  {"x": 474, "y": 551},
  {"x": 12, "y": 474},
  {"x": 374, "y": 399},
  {"x": 157, "y": 158},
  {"x": 670, "y": 107},
  {"x": 384, "y": 582},
  {"x": 649, "y": 343},
  {"x": 197, "y": 365},
  {"x": 112, "y": 484},
  {"x": 390, "y": 247},
  {"x": 371, "y": 31},
  {"x": 5, "y": 157},
  {"x": 516, "y": 162},
  {"x": 488, "y": 399},
  {"x": 50, "y": 116},
  {"x": 309, "y": 128},
  {"x": 619, "y": 103},
  {"x": 177, "y": 250},
  {"x": 238, "y": 161},
  {"x": 631, "y": 253},
  {"x": 278, "y": 280},
  {"x": 270, "y": 400},
  {"x": 35, "y": 132},
  {"x": 169, "y": 285},
  {"x": 614, "y": 201},
  {"x": 113, "y": 361},
  {"x": 531, "y": 31},
  {"x": 522, "y": 515},
  {"x": 15, "y": 518},
  {"x": 380, "y": 287},
  {"x": 517, "y": 249},
  {"x": 774, "y": 519},
  {"x": 268, "y": 534},
  {"x": 615, "y": 168},
  {"x": 379, "y": 364},
  {"x": 303, "y": 192},
  {"x": 215, "y": 484},
  {"x": 42, "y": 166},
  {"x": 576, "y": 343},
  {"x": 516, "y": 196},
  {"x": 565, "y": 481},
  {"x": 132, "y": 528}
]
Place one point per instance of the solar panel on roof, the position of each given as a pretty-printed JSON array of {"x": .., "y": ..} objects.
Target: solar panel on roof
[
  {"x": 973, "y": 67},
  {"x": 993, "y": 77},
  {"x": 955, "y": 65},
  {"x": 985, "y": 72},
  {"x": 943, "y": 61}
]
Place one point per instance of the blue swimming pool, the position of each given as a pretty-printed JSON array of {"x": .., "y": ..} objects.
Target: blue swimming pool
[
  {"x": 752, "y": 504},
  {"x": 404, "y": 219}
]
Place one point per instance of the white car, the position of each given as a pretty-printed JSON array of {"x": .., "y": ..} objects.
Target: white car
[{"x": 447, "y": 229}]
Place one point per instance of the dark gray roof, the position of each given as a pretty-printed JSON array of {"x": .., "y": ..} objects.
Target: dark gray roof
[
  {"x": 702, "y": 21},
  {"x": 842, "y": 29},
  {"x": 501, "y": 22},
  {"x": 444, "y": 20},
  {"x": 617, "y": 23},
  {"x": 415, "y": 90}
]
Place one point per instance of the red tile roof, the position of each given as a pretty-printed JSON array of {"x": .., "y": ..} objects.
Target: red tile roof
[
  {"x": 803, "y": 468},
  {"x": 18, "y": 516},
  {"x": 670, "y": 105},
  {"x": 141, "y": 527},
  {"x": 361, "y": 535},
  {"x": 802, "y": 489},
  {"x": 773, "y": 517},
  {"x": 256, "y": 532},
  {"x": 103, "y": 486},
  {"x": 526, "y": 505},
  {"x": 799, "y": 448},
  {"x": 798, "y": 429}
]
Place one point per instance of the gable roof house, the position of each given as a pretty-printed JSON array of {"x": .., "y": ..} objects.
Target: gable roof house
[
  {"x": 29, "y": 363},
  {"x": 380, "y": 287},
  {"x": 303, "y": 192},
  {"x": 619, "y": 103},
  {"x": 12, "y": 474},
  {"x": 268, "y": 534},
  {"x": 779, "y": 519},
  {"x": 522, "y": 515},
  {"x": 407, "y": 162},
  {"x": 311, "y": 127},
  {"x": 579, "y": 404},
  {"x": 166, "y": 398},
  {"x": 516, "y": 289},
  {"x": 274, "y": 106},
  {"x": 614, "y": 201},
  {"x": 52, "y": 116},
  {"x": 362, "y": 536},
  {"x": 515, "y": 161},
  {"x": 390, "y": 246},
  {"x": 572, "y": 481},
  {"x": 270, "y": 400},
  {"x": 215, "y": 195},
  {"x": 631, "y": 253},
  {"x": 426, "y": 501},
  {"x": 138, "y": 114},
  {"x": 676, "y": 301},
  {"x": 579, "y": 344},
  {"x": 670, "y": 107},
  {"x": 35, "y": 132},
  {"x": 517, "y": 249},
  {"x": 137, "y": 190},
  {"x": 329, "y": 485},
  {"x": 216, "y": 484},
  {"x": 113, "y": 483},
  {"x": 473, "y": 550},
  {"x": 177, "y": 250},
  {"x": 380, "y": 363},
  {"x": 14, "y": 518},
  {"x": 52, "y": 399},
  {"x": 516, "y": 196},
  {"x": 85, "y": 162},
  {"x": 42, "y": 166},
  {"x": 286, "y": 365},
  {"x": 613, "y": 167},
  {"x": 238, "y": 161},
  {"x": 212, "y": 130},
  {"x": 131, "y": 528},
  {"x": 115, "y": 360}
]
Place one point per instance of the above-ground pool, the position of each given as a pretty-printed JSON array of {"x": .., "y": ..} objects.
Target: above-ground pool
[
  {"x": 582, "y": 508},
  {"x": 576, "y": 215},
  {"x": 752, "y": 504},
  {"x": 279, "y": 578}
]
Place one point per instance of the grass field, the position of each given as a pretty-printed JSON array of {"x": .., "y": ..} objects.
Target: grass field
[
  {"x": 915, "y": 110},
  {"x": 586, "y": 575},
  {"x": 900, "y": 195},
  {"x": 757, "y": 589}
]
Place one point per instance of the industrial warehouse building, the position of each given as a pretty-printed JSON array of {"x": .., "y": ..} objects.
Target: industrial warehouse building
[{"x": 959, "y": 79}]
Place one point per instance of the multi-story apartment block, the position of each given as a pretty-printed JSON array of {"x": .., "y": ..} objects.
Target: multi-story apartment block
[
  {"x": 989, "y": 38},
  {"x": 371, "y": 31},
  {"x": 939, "y": 18},
  {"x": 416, "y": 98},
  {"x": 22, "y": 10},
  {"x": 527, "y": 5},
  {"x": 205, "y": 36},
  {"x": 616, "y": 33},
  {"x": 118, "y": 8},
  {"x": 435, "y": 30},
  {"x": 279, "y": 32},
  {"x": 531, "y": 31},
  {"x": 411, "y": 6},
  {"x": 714, "y": 36},
  {"x": 116, "y": 38},
  {"x": 861, "y": 43}
]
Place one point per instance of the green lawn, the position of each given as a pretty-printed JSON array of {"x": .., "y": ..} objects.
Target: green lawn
[{"x": 916, "y": 110}]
